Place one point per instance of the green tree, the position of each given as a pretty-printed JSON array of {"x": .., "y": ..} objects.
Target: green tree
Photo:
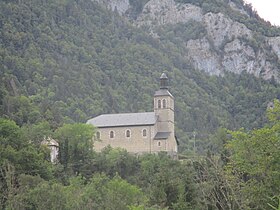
[
  {"x": 120, "y": 194},
  {"x": 253, "y": 163},
  {"x": 76, "y": 147},
  {"x": 116, "y": 161},
  {"x": 100, "y": 192},
  {"x": 47, "y": 196},
  {"x": 37, "y": 132},
  {"x": 18, "y": 156},
  {"x": 273, "y": 113},
  {"x": 167, "y": 182}
]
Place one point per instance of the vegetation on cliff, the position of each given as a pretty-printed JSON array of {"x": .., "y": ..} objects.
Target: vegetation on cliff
[{"x": 250, "y": 18}]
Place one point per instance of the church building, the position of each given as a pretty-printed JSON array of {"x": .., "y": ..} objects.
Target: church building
[{"x": 147, "y": 132}]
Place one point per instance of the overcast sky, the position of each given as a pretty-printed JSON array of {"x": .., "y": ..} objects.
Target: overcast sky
[{"x": 267, "y": 9}]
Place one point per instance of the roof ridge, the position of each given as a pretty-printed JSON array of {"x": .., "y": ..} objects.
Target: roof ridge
[
  {"x": 127, "y": 113},
  {"x": 124, "y": 119}
]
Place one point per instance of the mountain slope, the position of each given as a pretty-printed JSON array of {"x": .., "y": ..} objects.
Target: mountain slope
[
  {"x": 230, "y": 36},
  {"x": 66, "y": 61}
]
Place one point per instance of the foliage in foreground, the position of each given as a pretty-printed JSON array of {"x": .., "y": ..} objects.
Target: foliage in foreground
[
  {"x": 99, "y": 192},
  {"x": 112, "y": 179},
  {"x": 253, "y": 167},
  {"x": 240, "y": 172}
]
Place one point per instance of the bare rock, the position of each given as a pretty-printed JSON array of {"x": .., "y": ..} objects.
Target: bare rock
[{"x": 160, "y": 12}]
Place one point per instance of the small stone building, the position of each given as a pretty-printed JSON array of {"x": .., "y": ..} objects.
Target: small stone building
[
  {"x": 53, "y": 146},
  {"x": 147, "y": 132}
]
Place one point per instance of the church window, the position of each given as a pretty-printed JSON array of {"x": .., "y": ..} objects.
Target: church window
[
  {"x": 144, "y": 132},
  {"x": 127, "y": 133},
  {"x": 98, "y": 135},
  {"x": 164, "y": 103},
  {"x": 112, "y": 134},
  {"x": 159, "y": 143},
  {"x": 159, "y": 104}
]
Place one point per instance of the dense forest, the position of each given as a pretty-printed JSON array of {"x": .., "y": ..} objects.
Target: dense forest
[
  {"x": 240, "y": 171},
  {"x": 67, "y": 61},
  {"x": 63, "y": 62}
]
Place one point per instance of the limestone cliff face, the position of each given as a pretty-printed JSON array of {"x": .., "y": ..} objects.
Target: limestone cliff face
[
  {"x": 274, "y": 42},
  {"x": 220, "y": 28},
  {"x": 199, "y": 51},
  {"x": 228, "y": 45},
  {"x": 161, "y": 12}
]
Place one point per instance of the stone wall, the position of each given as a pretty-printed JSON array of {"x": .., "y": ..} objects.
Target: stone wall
[{"x": 136, "y": 143}]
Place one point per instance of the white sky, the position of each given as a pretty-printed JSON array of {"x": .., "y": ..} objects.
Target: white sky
[{"x": 267, "y": 9}]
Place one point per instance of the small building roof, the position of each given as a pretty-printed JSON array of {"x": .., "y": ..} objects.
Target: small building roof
[
  {"x": 125, "y": 119},
  {"x": 163, "y": 76},
  {"x": 163, "y": 92},
  {"x": 162, "y": 135},
  {"x": 49, "y": 142}
]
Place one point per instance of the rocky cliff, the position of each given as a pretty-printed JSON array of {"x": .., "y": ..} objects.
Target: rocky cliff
[{"x": 226, "y": 45}]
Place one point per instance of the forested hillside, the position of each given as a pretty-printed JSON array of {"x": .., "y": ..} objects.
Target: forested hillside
[
  {"x": 240, "y": 171},
  {"x": 66, "y": 61}
]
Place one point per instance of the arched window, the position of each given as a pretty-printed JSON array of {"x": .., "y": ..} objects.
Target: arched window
[
  {"x": 112, "y": 134},
  {"x": 164, "y": 103},
  {"x": 127, "y": 133},
  {"x": 98, "y": 135},
  {"x": 158, "y": 143},
  {"x": 159, "y": 104},
  {"x": 144, "y": 132}
]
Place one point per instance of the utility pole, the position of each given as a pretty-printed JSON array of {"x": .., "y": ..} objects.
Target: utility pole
[{"x": 194, "y": 146}]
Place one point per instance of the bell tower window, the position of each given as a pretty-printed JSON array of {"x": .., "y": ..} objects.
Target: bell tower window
[
  {"x": 159, "y": 104},
  {"x": 164, "y": 103}
]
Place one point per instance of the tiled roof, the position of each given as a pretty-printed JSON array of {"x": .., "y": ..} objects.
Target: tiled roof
[
  {"x": 49, "y": 142},
  {"x": 163, "y": 76},
  {"x": 163, "y": 92},
  {"x": 126, "y": 119},
  {"x": 162, "y": 135}
]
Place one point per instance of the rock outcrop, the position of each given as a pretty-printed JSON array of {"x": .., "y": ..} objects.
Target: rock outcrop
[
  {"x": 274, "y": 42},
  {"x": 228, "y": 45},
  {"x": 161, "y": 12},
  {"x": 199, "y": 51}
]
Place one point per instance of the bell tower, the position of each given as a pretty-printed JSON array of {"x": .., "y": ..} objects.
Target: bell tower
[{"x": 164, "y": 106}]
